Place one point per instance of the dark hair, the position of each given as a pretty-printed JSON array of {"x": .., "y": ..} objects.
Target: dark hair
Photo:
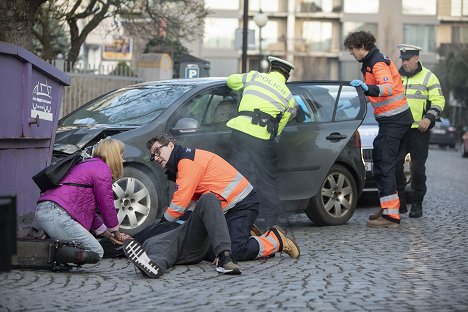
[
  {"x": 285, "y": 72},
  {"x": 360, "y": 39},
  {"x": 162, "y": 139}
]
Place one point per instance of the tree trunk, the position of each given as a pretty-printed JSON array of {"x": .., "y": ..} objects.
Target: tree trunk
[{"x": 17, "y": 21}]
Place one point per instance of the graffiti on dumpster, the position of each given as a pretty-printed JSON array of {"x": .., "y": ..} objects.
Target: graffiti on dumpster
[{"x": 42, "y": 101}]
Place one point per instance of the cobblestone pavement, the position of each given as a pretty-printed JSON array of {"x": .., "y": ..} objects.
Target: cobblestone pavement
[{"x": 422, "y": 266}]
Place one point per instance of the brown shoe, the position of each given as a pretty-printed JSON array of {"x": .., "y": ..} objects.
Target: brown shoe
[
  {"x": 376, "y": 215},
  {"x": 382, "y": 223},
  {"x": 287, "y": 245}
]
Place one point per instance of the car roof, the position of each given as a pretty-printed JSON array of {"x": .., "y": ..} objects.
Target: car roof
[{"x": 184, "y": 81}]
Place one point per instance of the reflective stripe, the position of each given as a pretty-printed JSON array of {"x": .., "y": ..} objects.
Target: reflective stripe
[
  {"x": 389, "y": 101},
  {"x": 388, "y": 198},
  {"x": 426, "y": 79},
  {"x": 244, "y": 79},
  {"x": 246, "y": 191},
  {"x": 416, "y": 87},
  {"x": 231, "y": 186},
  {"x": 434, "y": 86},
  {"x": 434, "y": 106},
  {"x": 382, "y": 89},
  {"x": 267, "y": 245},
  {"x": 176, "y": 208},
  {"x": 417, "y": 97},
  {"x": 260, "y": 246},
  {"x": 391, "y": 211},
  {"x": 267, "y": 98},
  {"x": 393, "y": 111},
  {"x": 284, "y": 100},
  {"x": 433, "y": 112}
]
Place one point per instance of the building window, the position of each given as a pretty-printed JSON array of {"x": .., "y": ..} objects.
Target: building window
[
  {"x": 459, "y": 7},
  {"x": 318, "y": 35},
  {"x": 220, "y": 32},
  {"x": 350, "y": 70},
  {"x": 459, "y": 34},
  {"x": 312, "y": 6},
  {"x": 419, "y": 7},
  {"x": 222, "y": 5},
  {"x": 361, "y": 6},
  {"x": 420, "y": 35},
  {"x": 269, "y": 34},
  {"x": 358, "y": 26},
  {"x": 265, "y": 5}
]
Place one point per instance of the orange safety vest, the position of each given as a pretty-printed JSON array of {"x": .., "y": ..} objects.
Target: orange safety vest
[
  {"x": 200, "y": 172},
  {"x": 386, "y": 92}
]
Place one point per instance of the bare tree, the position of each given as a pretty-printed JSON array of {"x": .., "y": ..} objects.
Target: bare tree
[{"x": 17, "y": 21}]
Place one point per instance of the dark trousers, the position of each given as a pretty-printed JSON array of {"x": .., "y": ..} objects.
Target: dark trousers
[
  {"x": 189, "y": 243},
  {"x": 239, "y": 220},
  {"x": 257, "y": 160},
  {"x": 385, "y": 156},
  {"x": 417, "y": 144}
]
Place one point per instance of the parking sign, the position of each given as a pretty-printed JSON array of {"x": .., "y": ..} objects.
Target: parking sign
[{"x": 192, "y": 71}]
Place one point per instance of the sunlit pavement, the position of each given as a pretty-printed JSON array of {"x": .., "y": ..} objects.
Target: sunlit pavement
[{"x": 422, "y": 266}]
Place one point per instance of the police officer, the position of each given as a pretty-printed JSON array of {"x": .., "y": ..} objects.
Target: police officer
[
  {"x": 426, "y": 101},
  {"x": 265, "y": 108},
  {"x": 382, "y": 84}
]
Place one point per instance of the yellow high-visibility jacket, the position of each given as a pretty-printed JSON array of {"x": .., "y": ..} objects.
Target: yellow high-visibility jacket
[
  {"x": 424, "y": 94},
  {"x": 264, "y": 91}
]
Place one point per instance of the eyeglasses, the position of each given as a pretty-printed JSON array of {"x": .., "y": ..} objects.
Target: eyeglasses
[{"x": 157, "y": 152}]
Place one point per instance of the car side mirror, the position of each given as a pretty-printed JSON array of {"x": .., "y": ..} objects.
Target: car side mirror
[{"x": 186, "y": 125}]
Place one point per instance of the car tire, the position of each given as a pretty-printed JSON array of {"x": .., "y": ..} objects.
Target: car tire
[
  {"x": 336, "y": 200},
  {"x": 136, "y": 200}
]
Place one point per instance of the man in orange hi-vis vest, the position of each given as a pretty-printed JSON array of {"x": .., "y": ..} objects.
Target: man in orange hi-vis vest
[
  {"x": 382, "y": 84},
  {"x": 215, "y": 186}
]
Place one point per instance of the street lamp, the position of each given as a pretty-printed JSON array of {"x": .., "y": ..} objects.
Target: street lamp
[{"x": 260, "y": 20}]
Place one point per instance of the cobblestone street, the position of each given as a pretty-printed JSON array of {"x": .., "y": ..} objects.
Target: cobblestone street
[{"x": 422, "y": 266}]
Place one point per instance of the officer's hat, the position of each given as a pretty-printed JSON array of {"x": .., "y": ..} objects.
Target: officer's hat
[
  {"x": 281, "y": 63},
  {"x": 408, "y": 50}
]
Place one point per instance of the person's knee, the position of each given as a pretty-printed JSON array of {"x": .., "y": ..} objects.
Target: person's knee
[{"x": 208, "y": 198}]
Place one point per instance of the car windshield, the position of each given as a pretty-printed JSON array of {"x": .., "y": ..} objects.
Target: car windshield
[
  {"x": 127, "y": 107},
  {"x": 369, "y": 119}
]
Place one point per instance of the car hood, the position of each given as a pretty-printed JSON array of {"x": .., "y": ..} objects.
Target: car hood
[
  {"x": 73, "y": 138},
  {"x": 368, "y": 134}
]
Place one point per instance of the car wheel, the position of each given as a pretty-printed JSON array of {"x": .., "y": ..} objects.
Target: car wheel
[
  {"x": 335, "y": 202},
  {"x": 136, "y": 200}
]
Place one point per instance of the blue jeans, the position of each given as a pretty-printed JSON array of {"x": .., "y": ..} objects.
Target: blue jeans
[{"x": 58, "y": 224}]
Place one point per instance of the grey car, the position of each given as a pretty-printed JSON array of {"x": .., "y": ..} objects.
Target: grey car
[{"x": 320, "y": 161}]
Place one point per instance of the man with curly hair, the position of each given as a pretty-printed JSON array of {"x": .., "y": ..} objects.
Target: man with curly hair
[{"x": 382, "y": 84}]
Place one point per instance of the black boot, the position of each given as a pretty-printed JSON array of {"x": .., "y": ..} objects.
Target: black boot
[{"x": 416, "y": 210}]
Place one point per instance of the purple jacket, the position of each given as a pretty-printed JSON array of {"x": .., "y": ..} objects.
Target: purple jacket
[{"x": 81, "y": 202}]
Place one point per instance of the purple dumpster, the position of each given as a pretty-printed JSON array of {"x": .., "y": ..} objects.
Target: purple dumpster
[{"x": 31, "y": 92}]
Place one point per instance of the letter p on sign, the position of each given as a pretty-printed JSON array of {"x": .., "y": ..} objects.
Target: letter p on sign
[{"x": 192, "y": 71}]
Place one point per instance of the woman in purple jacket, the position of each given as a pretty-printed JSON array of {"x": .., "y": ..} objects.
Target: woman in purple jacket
[{"x": 68, "y": 212}]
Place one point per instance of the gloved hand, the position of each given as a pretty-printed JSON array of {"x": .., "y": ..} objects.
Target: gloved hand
[{"x": 359, "y": 83}]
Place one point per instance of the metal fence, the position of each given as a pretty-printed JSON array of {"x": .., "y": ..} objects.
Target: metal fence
[{"x": 88, "y": 82}]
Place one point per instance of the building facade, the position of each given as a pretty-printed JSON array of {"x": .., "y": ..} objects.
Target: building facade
[{"x": 309, "y": 33}]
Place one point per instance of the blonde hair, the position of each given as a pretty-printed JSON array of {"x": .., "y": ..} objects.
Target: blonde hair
[{"x": 110, "y": 151}]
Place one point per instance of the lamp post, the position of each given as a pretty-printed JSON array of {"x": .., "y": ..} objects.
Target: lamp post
[{"x": 260, "y": 20}]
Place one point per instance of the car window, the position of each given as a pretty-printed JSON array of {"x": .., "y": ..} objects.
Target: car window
[
  {"x": 127, "y": 107},
  {"x": 211, "y": 108},
  {"x": 348, "y": 103}
]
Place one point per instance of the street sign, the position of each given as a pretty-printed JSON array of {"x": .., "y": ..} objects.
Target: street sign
[{"x": 192, "y": 71}]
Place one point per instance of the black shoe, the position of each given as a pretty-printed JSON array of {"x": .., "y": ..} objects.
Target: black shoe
[
  {"x": 416, "y": 211},
  {"x": 225, "y": 264},
  {"x": 138, "y": 256}
]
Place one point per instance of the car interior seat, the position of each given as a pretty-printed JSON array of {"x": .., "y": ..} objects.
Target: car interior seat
[{"x": 224, "y": 111}]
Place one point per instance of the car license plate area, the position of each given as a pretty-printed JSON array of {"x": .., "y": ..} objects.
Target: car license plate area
[{"x": 438, "y": 131}]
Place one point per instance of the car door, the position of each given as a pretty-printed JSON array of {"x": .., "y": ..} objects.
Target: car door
[
  {"x": 309, "y": 149},
  {"x": 208, "y": 111}
]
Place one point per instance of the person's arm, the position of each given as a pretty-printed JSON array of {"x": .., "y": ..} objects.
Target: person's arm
[
  {"x": 385, "y": 84},
  {"x": 188, "y": 176}
]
